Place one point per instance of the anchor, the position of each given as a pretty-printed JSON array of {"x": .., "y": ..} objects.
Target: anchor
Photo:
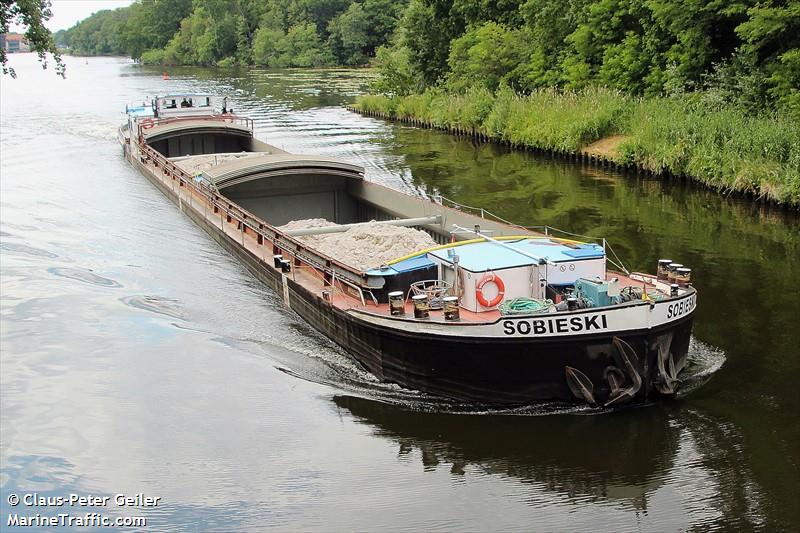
[
  {"x": 667, "y": 380},
  {"x": 580, "y": 385},
  {"x": 615, "y": 378},
  {"x": 625, "y": 356}
]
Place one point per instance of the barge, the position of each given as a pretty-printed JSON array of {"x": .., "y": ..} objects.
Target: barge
[{"x": 489, "y": 312}]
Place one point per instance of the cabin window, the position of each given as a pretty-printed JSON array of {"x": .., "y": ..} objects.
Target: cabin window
[
  {"x": 171, "y": 105},
  {"x": 207, "y": 102}
]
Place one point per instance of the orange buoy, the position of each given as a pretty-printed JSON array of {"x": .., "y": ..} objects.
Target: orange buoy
[{"x": 501, "y": 290}]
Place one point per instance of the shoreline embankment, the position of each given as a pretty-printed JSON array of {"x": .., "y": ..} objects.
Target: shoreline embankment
[{"x": 681, "y": 137}]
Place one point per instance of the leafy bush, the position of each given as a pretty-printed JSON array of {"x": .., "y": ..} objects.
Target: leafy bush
[
  {"x": 227, "y": 62},
  {"x": 153, "y": 57},
  {"x": 396, "y": 76}
]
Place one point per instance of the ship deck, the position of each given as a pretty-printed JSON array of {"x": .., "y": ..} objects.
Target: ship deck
[
  {"x": 343, "y": 296},
  {"x": 312, "y": 279},
  {"x": 344, "y": 301}
]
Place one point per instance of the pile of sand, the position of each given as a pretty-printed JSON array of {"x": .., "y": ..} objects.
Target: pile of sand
[
  {"x": 197, "y": 164},
  {"x": 365, "y": 246},
  {"x": 307, "y": 223}
]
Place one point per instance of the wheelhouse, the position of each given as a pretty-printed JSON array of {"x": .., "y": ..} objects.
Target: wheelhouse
[{"x": 194, "y": 104}]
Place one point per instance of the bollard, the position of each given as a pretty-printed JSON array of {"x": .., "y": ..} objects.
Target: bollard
[{"x": 421, "y": 308}]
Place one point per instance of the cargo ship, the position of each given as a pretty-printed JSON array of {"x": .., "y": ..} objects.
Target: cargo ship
[{"x": 485, "y": 311}]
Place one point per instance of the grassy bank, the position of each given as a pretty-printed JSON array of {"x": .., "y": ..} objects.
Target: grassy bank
[{"x": 723, "y": 148}]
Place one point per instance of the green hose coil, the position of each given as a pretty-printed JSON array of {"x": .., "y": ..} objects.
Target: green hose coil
[{"x": 525, "y": 306}]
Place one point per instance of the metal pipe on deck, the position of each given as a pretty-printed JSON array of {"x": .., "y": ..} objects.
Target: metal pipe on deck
[
  {"x": 540, "y": 260},
  {"x": 421, "y": 221}
]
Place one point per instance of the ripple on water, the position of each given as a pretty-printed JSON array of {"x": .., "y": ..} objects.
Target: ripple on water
[
  {"x": 155, "y": 304},
  {"x": 20, "y": 227},
  {"x": 84, "y": 275},
  {"x": 24, "y": 249}
]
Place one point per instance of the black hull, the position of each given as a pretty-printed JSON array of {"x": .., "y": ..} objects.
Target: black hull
[{"x": 496, "y": 371}]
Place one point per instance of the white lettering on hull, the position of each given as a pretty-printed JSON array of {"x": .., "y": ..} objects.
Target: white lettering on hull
[{"x": 543, "y": 326}]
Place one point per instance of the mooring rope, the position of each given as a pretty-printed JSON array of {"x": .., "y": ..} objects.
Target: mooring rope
[{"x": 522, "y": 306}]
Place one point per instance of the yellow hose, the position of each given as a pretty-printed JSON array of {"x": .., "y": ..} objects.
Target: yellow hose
[{"x": 471, "y": 241}]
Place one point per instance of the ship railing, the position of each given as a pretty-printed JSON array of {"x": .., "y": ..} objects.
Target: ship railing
[
  {"x": 545, "y": 230},
  {"x": 330, "y": 267},
  {"x": 121, "y": 131},
  {"x": 232, "y": 119},
  {"x": 484, "y": 213}
]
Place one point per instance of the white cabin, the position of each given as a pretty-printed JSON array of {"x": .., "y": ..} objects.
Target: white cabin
[{"x": 177, "y": 105}]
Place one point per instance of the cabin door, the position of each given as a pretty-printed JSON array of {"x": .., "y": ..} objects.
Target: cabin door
[
  {"x": 538, "y": 282},
  {"x": 449, "y": 276}
]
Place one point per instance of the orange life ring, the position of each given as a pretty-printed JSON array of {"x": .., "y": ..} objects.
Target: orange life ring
[
  {"x": 501, "y": 290},
  {"x": 148, "y": 123}
]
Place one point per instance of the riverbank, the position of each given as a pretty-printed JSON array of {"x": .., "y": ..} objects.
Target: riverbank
[{"x": 683, "y": 136}]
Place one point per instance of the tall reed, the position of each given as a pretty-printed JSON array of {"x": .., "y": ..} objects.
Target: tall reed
[{"x": 724, "y": 148}]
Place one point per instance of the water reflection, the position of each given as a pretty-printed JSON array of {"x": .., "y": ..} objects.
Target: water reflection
[
  {"x": 669, "y": 465},
  {"x": 621, "y": 457}
]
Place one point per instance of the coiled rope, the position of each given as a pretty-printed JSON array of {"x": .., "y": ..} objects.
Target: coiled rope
[{"x": 524, "y": 306}]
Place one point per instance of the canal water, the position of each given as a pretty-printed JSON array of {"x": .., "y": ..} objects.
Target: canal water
[{"x": 138, "y": 357}]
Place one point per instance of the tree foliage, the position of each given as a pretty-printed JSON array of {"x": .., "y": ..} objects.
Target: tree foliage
[
  {"x": 30, "y": 14},
  {"x": 742, "y": 51},
  {"x": 485, "y": 55},
  {"x": 348, "y": 35},
  {"x": 397, "y": 75},
  {"x": 275, "y": 33}
]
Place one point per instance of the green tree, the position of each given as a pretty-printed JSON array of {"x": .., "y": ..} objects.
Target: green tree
[
  {"x": 382, "y": 17},
  {"x": 318, "y": 12},
  {"x": 397, "y": 75},
  {"x": 210, "y": 32},
  {"x": 348, "y": 35},
  {"x": 547, "y": 24},
  {"x": 428, "y": 29},
  {"x": 144, "y": 25},
  {"x": 206, "y": 36},
  {"x": 100, "y": 34},
  {"x": 275, "y": 15},
  {"x": 244, "y": 50},
  {"x": 486, "y": 55},
  {"x": 304, "y": 47},
  {"x": 31, "y": 15},
  {"x": 771, "y": 36},
  {"x": 156, "y": 21},
  {"x": 299, "y": 47},
  {"x": 268, "y": 44}
]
